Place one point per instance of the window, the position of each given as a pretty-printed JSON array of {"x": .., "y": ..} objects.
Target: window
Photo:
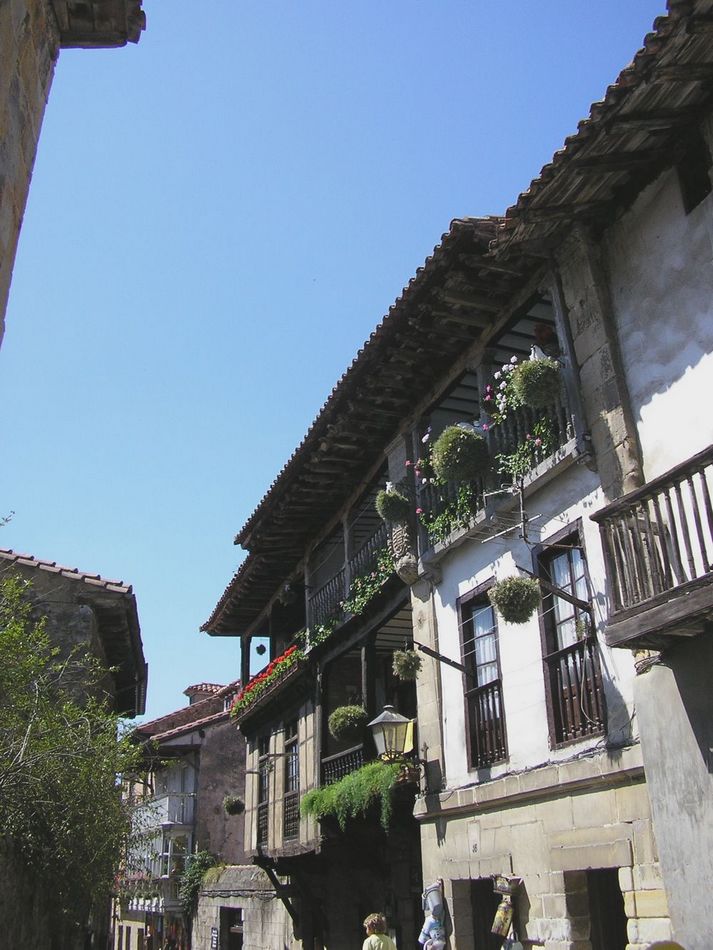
[
  {"x": 291, "y": 813},
  {"x": 263, "y": 799},
  {"x": 483, "y": 686},
  {"x": 573, "y": 678}
]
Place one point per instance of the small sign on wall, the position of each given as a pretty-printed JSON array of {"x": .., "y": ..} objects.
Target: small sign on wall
[{"x": 213, "y": 938}]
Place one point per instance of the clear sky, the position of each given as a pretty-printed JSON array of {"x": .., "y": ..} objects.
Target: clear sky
[{"x": 218, "y": 219}]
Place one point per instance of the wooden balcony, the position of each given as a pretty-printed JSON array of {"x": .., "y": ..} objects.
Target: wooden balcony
[
  {"x": 577, "y": 697},
  {"x": 486, "y": 725},
  {"x": 658, "y": 550},
  {"x": 343, "y": 763},
  {"x": 324, "y": 604},
  {"x": 504, "y": 439}
]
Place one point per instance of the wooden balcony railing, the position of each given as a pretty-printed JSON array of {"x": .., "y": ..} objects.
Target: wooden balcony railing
[
  {"x": 366, "y": 557},
  {"x": 503, "y": 439},
  {"x": 658, "y": 550},
  {"x": 576, "y": 693},
  {"x": 337, "y": 766},
  {"x": 486, "y": 725},
  {"x": 324, "y": 603}
]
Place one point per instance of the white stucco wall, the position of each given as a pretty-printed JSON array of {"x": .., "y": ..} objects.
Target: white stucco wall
[
  {"x": 660, "y": 266},
  {"x": 573, "y": 495}
]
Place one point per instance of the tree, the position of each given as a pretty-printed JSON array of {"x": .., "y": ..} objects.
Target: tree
[{"x": 62, "y": 815}]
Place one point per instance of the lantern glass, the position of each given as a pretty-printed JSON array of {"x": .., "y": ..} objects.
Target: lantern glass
[{"x": 389, "y": 731}]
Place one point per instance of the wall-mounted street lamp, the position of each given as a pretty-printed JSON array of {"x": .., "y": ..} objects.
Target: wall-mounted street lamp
[{"x": 393, "y": 735}]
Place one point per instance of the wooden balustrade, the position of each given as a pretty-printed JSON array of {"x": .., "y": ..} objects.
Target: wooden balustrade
[
  {"x": 486, "y": 724},
  {"x": 366, "y": 557},
  {"x": 325, "y": 603},
  {"x": 660, "y": 537},
  {"x": 576, "y": 691},
  {"x": 337, "y": 766}
]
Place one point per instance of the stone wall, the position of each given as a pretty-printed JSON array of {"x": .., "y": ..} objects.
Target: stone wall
[
  {"x": 549, "y": 827},
  {"x": 266, "y": 922},
  {"x": 222, "y": 772},
  {"x": 29, "y": 46}
]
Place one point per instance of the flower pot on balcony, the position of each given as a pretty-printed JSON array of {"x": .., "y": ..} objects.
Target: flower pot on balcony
[
  {"x": 536, "y": 383},
  {"x": 515, "y": 598},
  {"x": 347, "y": 723},
  {"x": 392, "y": 506},
  {"x": 459, "y": 454}
]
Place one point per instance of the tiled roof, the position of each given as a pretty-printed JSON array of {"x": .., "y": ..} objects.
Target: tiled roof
[
  {"x": 73, "y": 573},
  {"x": 188, "y": 717},
  {"x": 203, "y": 688}
]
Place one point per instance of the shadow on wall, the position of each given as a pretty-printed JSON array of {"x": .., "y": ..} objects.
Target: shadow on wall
[{"x": 691, "y": 663}]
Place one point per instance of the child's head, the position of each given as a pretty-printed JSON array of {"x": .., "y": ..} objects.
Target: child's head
[{"x": 375, "y": 924}]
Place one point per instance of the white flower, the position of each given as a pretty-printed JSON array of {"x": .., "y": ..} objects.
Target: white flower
[
  {"x": 497, "y": 375},
  {"x": 503, "y": 385},
  {"x": 424, "y": 481},
  {"x": 513, "y": 359}
]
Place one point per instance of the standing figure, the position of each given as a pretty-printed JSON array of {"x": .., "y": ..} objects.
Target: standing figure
[{"x": 376, "y": 936}]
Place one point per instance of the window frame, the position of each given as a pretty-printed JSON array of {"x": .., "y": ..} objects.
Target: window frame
[
  {"x": 291, "y": 776},
  {"x": 464, "y": 609},
  {"x": 541, "y": 554}
]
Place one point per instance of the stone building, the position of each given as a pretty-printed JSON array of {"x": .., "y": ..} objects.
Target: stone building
[
  {"x": 32, "y": 33},
  {"x": 93, "y": 615},
  {"x": 194, "y": 759},
  {"x": 564, "y": 757}
]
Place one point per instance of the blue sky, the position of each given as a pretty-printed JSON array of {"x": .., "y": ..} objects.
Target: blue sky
[{"x": 218, "y": 218}]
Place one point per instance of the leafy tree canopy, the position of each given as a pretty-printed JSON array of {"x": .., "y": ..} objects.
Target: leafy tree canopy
[{"x": 61, "y": 750}]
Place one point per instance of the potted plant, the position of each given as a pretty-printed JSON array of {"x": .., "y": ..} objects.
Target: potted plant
[
  {"x": 347, "y": 723},
  {"x": 392, "y": 506},
  {"x": 233, "y": 805},
  {"x": 536, "y": 383},
  {"x": 407, "y": 664},
  {"x": 459, "y": 454},
  {"x": 515, "y": 598}
]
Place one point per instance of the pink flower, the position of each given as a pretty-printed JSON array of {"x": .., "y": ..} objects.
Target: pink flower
[
  {"x": 419, "y": 511},
  {"x": 528, "y": 436},
  {"x": 408, "y": 463},
  {"x": 538, "y": 442},
  {"x": 485, "y": 427}
]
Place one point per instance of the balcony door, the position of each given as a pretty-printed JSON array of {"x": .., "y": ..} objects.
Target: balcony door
[
  {"x": 483, "y": 682},
  {"x": 574, "y": 684}
]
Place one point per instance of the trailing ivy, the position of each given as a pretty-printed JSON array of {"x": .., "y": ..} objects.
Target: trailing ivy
[
  {"x": 364, "y": 588},
  {"x": 352, "y": 796},
  {"x": 456, "y": 514},
  {"x": 189, "y": 883}
]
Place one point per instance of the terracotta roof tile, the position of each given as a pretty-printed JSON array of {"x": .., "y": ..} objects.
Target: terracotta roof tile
[{"x": 29, "y": 560}]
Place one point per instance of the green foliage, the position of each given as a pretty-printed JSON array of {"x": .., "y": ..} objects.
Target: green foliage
[
  {"x": 366, "y": 586},
  {"x": 354, "y": 794},
  {"x": 61, "y": 749},
  {"x": 537, "y": 445},
  {"x": 456, "y": 514},
  {"x": 347, "y": 722},
  {"x": 459, "y": 454},
  {"x": 189, "y": 883},
  {"x": 407, "y": 664},
  {"x": 516, "y": 598},
  {"x": 393, "y": 506},
  {"x": 536, "y": 383},
  {"x": 233, "y": 805}
]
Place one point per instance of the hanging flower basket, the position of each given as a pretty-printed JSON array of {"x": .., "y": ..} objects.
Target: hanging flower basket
[
  {"x": 459, "y": 454},
  {"x": 515, "y": 598},
  {"x": 347, "y": 723},
  {"x": 407, "y": 664},
  {"x": 233, "y": 805},
  {"x": 393, "y": 506},
  {"x": 536, "y": 383}
]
